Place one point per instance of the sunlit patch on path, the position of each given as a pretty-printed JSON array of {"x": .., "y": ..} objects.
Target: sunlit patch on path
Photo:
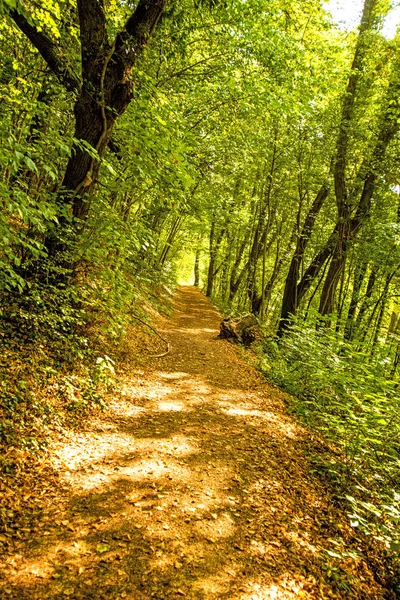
[{"x": 194, "y": 485}]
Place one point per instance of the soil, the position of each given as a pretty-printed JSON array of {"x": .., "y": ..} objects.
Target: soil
[{"x": 195, "y": 483}]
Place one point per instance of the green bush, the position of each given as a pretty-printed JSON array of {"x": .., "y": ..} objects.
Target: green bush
[{"x": 345, "y": 395}]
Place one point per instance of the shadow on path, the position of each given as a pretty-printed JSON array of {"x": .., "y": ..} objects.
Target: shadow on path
[{"x": 194, "y": 485}]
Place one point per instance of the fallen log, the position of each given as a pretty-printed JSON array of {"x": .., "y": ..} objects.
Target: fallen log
[{"x": 243, "y": 330}]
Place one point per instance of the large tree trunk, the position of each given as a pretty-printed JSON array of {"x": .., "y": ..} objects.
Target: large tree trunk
[
  {"x": 104, "y": 93},
  {"x": 327, "y": 300},
  {"x": 107, "y": 88}
]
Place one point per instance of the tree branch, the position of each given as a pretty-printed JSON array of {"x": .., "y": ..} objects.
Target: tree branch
[
  {"x": 138, "y": 29},
  {"x": 348, "y": 105},
  {"x": 93, "y": 34},
  {"x": 49, "y": 51},
  {"x": 128, "y": 47},
  {"x": 142, "y": 22}
]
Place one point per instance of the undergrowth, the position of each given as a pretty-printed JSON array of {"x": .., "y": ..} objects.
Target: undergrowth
[
  {"x": 345, "y": 395},
  {"x": 60, "y": 345}
]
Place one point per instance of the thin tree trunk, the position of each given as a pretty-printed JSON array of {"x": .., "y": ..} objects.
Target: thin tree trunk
[
  {"x": 380, "y": 319},
  {"x": 197, "y": 268},
  {"x": 290, "y": 299},
  {"x": 343, "y": 294},
  {"x": 235, "y": 280},
  {"x": 311, "y": 273},
  {"x": 261, "y": 232},
  {"x": 359, "y": 275},
  {"x": 176, "y": 224},
  {"x": 349, "y": 227},
  {"x": 365, "y": 301},
  {"x": 381, "y": 300},
  {"x": 264, "y": 256},
  {"x": 211, "y": 264},
  {"x": 396, "y": 362}
]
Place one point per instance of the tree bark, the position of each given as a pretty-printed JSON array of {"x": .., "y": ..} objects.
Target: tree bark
[
  {"x": 49, "y": 50},
  {"x": 290, "y": 298},
  {"x": 105, "y": 93},
  {"x": 359, "y": 275},
  {"x": 345, "y": 233},
  {"x": 348, "y": 226},
  {"x": 107, "y": 90},
  {"x": 348, "y": 104},
  {"x": 315, "y": 266},
  {"x": 197, "y": 268},
  {"x": 365, "y": 301}
]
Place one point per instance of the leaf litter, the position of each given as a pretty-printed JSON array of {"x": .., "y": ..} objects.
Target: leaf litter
[{"x": 194, "y": 483}]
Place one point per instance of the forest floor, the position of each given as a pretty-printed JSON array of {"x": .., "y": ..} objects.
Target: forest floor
[{"x": 195, "y": 483}]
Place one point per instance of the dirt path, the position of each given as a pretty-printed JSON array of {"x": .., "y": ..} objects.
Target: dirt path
[{"x": 194, "y": 485}]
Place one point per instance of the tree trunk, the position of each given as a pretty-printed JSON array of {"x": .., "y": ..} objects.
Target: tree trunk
[
  {"x": 365, "y": 302},
  {"x": 214, "y": 245},
  {"x": 257, "y": 299},
  {"x": 176, "y": 224},
  {"x": 396, "y": 362},
  {"x": 107, "y": 90},
  {"x": 235, "y": 280},
  {"x": 315, "y": 266},
  {"x": 359, "y": 275},
  {"x": 327, "y": 301},
  {"x": 197, "y": 268},
  {"x": 349, "y": 227},
  {"x": 290, "y": 298},
  {"x": 345, "y": 229},
  {"x": 380, "y": 318},
  {"x": 211, "y": 264}
]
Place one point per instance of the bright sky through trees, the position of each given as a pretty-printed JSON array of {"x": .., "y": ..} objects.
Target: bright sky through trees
[{"x": 347, "y": 14}]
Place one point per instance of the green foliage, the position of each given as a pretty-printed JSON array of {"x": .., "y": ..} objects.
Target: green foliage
[
  {"x": 336, "y": 390},
  {"x": 231, "y": 133}
]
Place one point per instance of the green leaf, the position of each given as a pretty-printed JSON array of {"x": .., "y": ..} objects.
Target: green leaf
[{"x": 30, "y": 164}]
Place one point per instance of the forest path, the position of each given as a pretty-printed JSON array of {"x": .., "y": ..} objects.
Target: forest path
[{"x": 195, "y": 485}]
